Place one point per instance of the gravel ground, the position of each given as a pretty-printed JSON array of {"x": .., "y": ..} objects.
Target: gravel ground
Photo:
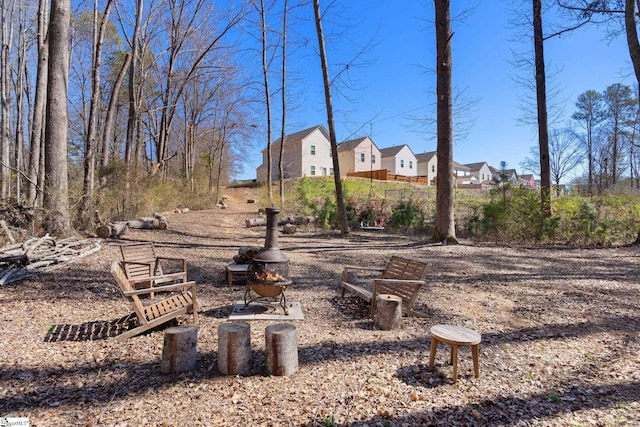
[{"x": 559, "y": 327}]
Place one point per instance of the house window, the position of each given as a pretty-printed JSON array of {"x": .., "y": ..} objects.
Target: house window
[
  {"x": 313, "y": 150},
  {"x": 313, "y": 170},
  {"x": 433, "y": 168},
  {"x": 410, "y": 164},
  {"x": 362, "y": 157},
  {"x": 373, "y": 159},
  {"x": 401, "y": 163},
  {"x": 331, "y": 171}
]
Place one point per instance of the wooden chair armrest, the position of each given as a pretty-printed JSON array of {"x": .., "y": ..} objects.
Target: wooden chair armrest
[
  {"x": 179, "y": 275},
  {"x": 172, "y": 258},
  {"x": 136, "y": 263},
  {"x": 175, "y": 286},
  {"x": 358, "y": 268}
]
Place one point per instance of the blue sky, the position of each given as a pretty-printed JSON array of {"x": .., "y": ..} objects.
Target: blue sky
[{"x": 396, "y": 85}]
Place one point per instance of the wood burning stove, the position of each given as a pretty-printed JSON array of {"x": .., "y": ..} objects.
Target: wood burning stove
[{"x": 268, "y": 272}]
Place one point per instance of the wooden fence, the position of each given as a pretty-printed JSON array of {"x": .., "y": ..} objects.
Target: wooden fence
[{"x": 384, "y": 175}]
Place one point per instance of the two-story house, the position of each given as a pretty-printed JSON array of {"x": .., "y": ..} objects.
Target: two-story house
[
  {"x": 399, "y": 160},
  {"x": 506, "y": 175},
  {"x": 358, "y": 155},
  {"x": 428, "y": 166},
  {"x": 481, "y": 171},
  {"x": 306, "y": 153}
]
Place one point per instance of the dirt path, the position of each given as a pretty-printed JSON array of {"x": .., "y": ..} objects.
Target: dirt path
[{"x": 560, "y": 338}]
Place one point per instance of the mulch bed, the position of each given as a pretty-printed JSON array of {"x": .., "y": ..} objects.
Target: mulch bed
[{"x": 559, "y": 327}]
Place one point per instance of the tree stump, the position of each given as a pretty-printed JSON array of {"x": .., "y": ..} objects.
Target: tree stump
[
  {"x": 281, "y": 343},
  {"x": 234, "y": 348},
  {"x": 179, "y": 352},
  {"x": 289, "y": 229},
  {"x": 388, "y": 311}
]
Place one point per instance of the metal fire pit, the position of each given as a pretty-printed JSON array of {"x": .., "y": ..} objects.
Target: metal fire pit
[{"x": 268, "y": 272}]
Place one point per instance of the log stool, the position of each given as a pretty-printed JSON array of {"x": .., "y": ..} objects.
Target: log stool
[
  {"x": 455, "y": 336},
  {"x": 234, "y": 348},
  {"x": 281, "y": 344},
  {"x": 388, "y": 311},
  {"x": 179, "y": 352}
]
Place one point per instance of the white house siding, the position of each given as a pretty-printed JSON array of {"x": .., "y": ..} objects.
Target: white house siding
[
  {"x": 321, "y": 160},
  {"x": 350, "y": 160},
  {"x": 403, "y": 163},
  {"x": 428, "y": 168}
]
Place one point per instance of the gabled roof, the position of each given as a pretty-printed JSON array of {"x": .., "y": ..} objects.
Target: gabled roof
[
  {"x": 474, "y": 167},
  {"x": 353, "y": 143},
  {"x": 526, "y": 177},
  {"x": 300, "y": 135},
  {"x": 460, "y": 166},
  {"x": 392, "y": 151},
  {"x": 425, "y": 157}
]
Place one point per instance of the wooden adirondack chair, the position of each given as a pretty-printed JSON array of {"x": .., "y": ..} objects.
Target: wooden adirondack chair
[
  {"x": 402, "y": 277},
  {"x": 157, "y": 313},
  {"x": 140, "y": 261}
]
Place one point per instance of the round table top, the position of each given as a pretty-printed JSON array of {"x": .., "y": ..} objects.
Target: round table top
[{"x": 458, "y": 335}]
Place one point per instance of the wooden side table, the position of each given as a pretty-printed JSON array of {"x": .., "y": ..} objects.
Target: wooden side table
[
  {"x": 234, "y": 269},
  {"x": 455, "y": 336}
]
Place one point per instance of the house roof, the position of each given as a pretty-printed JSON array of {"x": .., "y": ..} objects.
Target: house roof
[
  {"x": 526, "y": 177},
  {"x": 300, "y": 135},
  {"x": 425, "y": 157},
  {"x": 392, "y": 151},
  {"x": 460, "y": 166},
  {"x": 353, "y": 143},
  {"x": 474, "y": 167}
]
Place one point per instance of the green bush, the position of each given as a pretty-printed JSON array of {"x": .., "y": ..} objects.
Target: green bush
[{"x": 407, "y": 217}]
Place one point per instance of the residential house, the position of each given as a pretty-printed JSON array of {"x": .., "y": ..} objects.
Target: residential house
[
  {"x": 509, "y": 175},
  {"x": 399, "y": 160},
  {"x": 428, "y": 166},
  {"x": 463, "y": 174},
  {"x": 358, "y": 155},
  {"x": 306, "y": 153},
  {"x": 481, "y": 171},
  {"x": 527, "y": 180}
]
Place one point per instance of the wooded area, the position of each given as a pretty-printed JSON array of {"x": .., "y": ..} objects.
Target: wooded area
[{"x": 133, "y": 94}]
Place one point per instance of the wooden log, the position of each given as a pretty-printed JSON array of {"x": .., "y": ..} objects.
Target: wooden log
[
  {"x": 162, "y": 221},
  {"x": 146, "y": 223},
  {"x": 281, "y": 343},
  {"x": 388, "y": 311},
  {"x": 295, "y": 220},
  {"x": 179, "y": 353},
  {"x": 234, "y": 348},
  {"x": 6, "y": 230},
  {"x": 289, "y": 229},
  {"x": 112, "y": 230}
]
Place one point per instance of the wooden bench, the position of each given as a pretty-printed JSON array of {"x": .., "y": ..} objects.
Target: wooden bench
[
  {"x": 402, "y": 277},
  {"x": 156, "y": 313}
]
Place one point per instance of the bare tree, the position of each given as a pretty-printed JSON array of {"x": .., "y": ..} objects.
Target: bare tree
[
  {"x": 283, "y": 123},
  {"x": 84, "y": 207},
  {"x": 6, "y": 12},
  {"x": 543, "y": 124},
  {"x": 56, "y": 201},
  {"x": 589, "y": 115},
  {"x": 565, "y": 154},
  {"x": 342, "y": 212},
  {"x": 35, "y": 146},
  {"x": 444, "y": 223}
]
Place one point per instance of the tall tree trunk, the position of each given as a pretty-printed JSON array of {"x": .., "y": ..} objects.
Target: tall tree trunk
[
  {"x": 445, "y": 230},
  {"x": 132, "y": 120},
  {"x": 20, "y": 87},
  {"x": 284, "y": 103},
  {"x": 543, "y": 124},
  {"x": 56, "y": 201},
  {"x": 632, "y": 36},
  {"x": 267, "y": 97},
  {"x": 5, "y": 137},
  {"x": 342, "y": 212},
  {"x": 85, "y": 208},
  {"x": 35, "y": 151},
  {"x": 111, "y": 112}
]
